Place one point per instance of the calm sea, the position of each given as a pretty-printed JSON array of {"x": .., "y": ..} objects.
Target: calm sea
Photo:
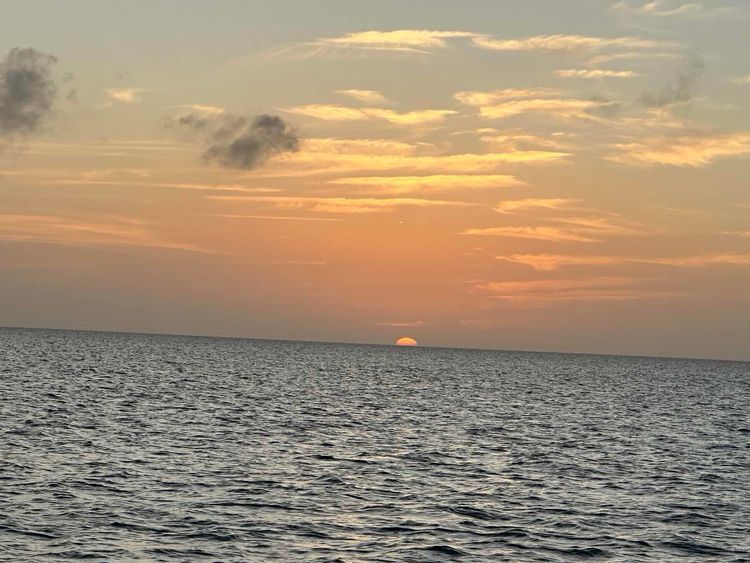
[{"x": 127, "y": 447}]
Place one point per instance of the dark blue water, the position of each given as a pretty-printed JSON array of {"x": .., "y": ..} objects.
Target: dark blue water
[{"x": 160, "y": 448}]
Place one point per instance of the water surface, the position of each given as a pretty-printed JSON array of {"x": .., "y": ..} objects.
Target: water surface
[{"x": 164, "y": 448}]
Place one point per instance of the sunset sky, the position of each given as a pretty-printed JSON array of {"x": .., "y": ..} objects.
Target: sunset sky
[{"x": 511, "y": 174}]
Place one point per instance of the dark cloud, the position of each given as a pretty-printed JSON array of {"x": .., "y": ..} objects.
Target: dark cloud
[
  {"x": 27, "y": 91},
  {"x": 681, "y": 89},
  {"x": 236, "y": 141}
]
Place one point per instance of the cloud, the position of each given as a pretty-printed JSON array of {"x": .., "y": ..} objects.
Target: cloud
[
  {"x": 553, "y": 234},
  {"x": 341, "y": 204},
  {"x": 419, "y": 41},
  {"x": 405, "y": 324},
  {"x": 27, "y": 91},
  {"x": 566, "y": 43},
  {"x": 681, "y": 88},
  {"x": 742, "y": 79},
  {"x": 99, "y": 232},
  {"x": 694, "y": 150},
  {"x": 547, "y": 291},
  {"x": 596, "y": 73},
  {"x": 549, "y": 262},
  {"x": 200, "y": 108},
  {"x": 326, "y": 156},
  {"x": 628, "y": 55},
  {"x": 127, "y": 95},
  {"x": 574, "y": 229},
  {"x": 432, "y": 183},
  {"x": 236, "y": 141},
  {"x": 330, "y": 112},
  {"x": 366, "y": 96},
  {"x": 518, "y": 139},
  {"x": 561, "y": 108},
  {"x": 656, "y": 8},
  {"x": 512, "y": 206},
  {"x": 485, "y": 98}
]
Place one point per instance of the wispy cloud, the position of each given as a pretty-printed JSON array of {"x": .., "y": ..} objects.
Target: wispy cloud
[
  {"x": 561, "y": 108},
  {"x": 127, "y": 95},
  {"x": 513, "y": 206},
  {"x": 367, "y": 96},
  {"x": 742, "y": 79},
  {"x": 404, "y": 324},
  {"x": 573, "y": 229},
  {"x": 596, "y": 73},
  {"x": 86, "y": 232},
  {"x": 549, "y": 262},
  {"x": 432, "y": 183},
  {"x": 690, "y": 150},
  {"x": 341, "y": 204},
  {"x": 330, "y": 112},
  {"x": 669, "y": 8},
  {"x": 419, "y": 41},
  {"x": 547, "y": 291},
  {"x": 201, "y": 108},
  {"x": 553, "y": 234},
  {"x": 566, "y": 43},
  {"x": 325, "y": 156},
  {"x": 282, "y": 218},
  {"x": 478, "y": 98}
]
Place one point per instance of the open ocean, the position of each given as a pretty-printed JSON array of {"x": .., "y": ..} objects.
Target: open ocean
[{"x": 129, "y": 447}]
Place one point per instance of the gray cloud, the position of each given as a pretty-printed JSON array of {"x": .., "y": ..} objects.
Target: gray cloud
[
  {"x": 27, "y": 91},
  {"x": 681, "y": 89},
  {"x": 236, "y": 141}
]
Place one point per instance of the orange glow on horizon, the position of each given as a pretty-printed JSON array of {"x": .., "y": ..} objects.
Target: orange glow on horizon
[{"x": 406, "y": 341}]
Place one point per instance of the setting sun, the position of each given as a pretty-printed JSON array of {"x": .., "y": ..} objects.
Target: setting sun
[{"x": 406, "y": 341}]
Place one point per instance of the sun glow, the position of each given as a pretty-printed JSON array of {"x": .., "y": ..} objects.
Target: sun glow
[{"x": 406, "y": 341}]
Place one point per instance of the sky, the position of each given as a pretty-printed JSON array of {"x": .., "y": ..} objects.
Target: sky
[{"x": 510, "y": 174}]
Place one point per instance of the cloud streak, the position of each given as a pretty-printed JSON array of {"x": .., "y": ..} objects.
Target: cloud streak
[
  {"x": 341, "y": 204},
  {"x": 550, "y": 262},
  {"x": 432, "y": 183},
  {"x": 331, "y": 112}
]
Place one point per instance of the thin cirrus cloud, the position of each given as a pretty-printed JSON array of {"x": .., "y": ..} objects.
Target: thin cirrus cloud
[
  {"x": 561, "y": 108},
  {"x": 331, "y": 112},
  {"x": 550, "y": 262},
  {"x": 595, "y": 73},
  {"x": 689, "y": 151},
  {"x": 430, "y": 41},
  {"x": 478, "y": 98},
  {"x": 561, "y": 42},
  {"x": 432, "y": 183},
  {"x": 668, "y": 8},
  {"x": 513, "y": 206},
  {"x": 326, "y": 156},
  {"x": 420, "y": 41},
  {"x": 552, "y": 234},
  {"x": 341, "y": 204},
  {"x": 366, "y": 96},
  {"x": 126, "y": 95},
  {"x": 498, "y": 104},
  {"x": 742, "y": 79},
  {"x": 547, "y": 291},
  {"x": 102, "y": 232},
  {"x": 573, "y": 229}
]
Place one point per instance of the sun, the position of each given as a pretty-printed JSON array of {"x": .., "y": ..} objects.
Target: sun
[{"x": 406, "y": 341}]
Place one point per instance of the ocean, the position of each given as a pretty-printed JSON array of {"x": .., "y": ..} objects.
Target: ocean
[{"x": 131, "y": 447}]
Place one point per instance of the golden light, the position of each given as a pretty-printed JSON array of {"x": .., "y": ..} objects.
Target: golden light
[{"x": 406, "y": 341}]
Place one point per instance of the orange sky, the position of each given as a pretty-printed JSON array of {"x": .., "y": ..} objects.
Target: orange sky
[{"x": 518, "y": 179}]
